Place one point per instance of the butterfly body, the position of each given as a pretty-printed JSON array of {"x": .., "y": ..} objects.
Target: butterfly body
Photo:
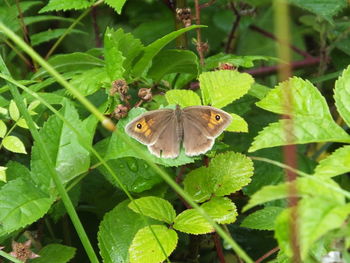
[{"x": 163, "y": 130}]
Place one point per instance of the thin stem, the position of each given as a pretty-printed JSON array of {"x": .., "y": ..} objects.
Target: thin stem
[
  {"x": 9, "y": 132},
  {"x": 98, "y": 41},
  {"x": 21, "y": 56},
  {"x": 269, "y": 253},
  {"x": 218, "y": 247},
  {"x": 233, "y": 29},
  {"x": 198, "y": 30},
  {"x": 207, "y": 4}
]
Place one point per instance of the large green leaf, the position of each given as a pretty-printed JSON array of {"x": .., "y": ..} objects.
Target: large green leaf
[
  {"x": 263, "y": 219},
  {"x": 21, "y": 203},
  {"x": 323, "y": 187},
  {"x": 116, "y": 148},
  {"x": 184, "y": 98},
  {"x": 324, "y": 8},
  {"x": 146, "y": 248},
  {"x": 113, "y": 56},
  {"x": 312, "y": 121},
  {"x": 335, "y": 164},
  {"x": 220, "y": 88},
  {"x": 192, "y": 222},
  {"x": 154, "y": 207},
  {"x": 238, "y": 124},
  {"x": 55, "y": 253},
  {"x": 69, "y": 158},
  {"x": 117, "y": 231},
  {"x": 342, "y": 95},
  {"x": 314, "y": 220},
  {"x": 59, "y": 5},
  {"x": 226, "y": 174},
  {"x": 221, "y": 209},
  {"x": 144, "y": 63},
  {"x": 173, "y": 61}
]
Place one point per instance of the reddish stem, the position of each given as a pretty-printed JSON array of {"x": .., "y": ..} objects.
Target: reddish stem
[
  {"x": 207, "y": 4},
  {"x": 96, "y": 29},
  {"x": 269, "y": 253},
  {"x": 199, "y": 36},
  {"x": 234, "y": 28},
  {"x": 218, "y": 247}
]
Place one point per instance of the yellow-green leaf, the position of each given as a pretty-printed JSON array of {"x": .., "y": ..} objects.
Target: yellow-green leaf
[
  {"x": 14, "y": 112},
  {"x": 238, "y": 124},
  {"x": 3, "y": 129},
  {"x": 14, "y": 144},
  {"x": 3, "y": 173}
]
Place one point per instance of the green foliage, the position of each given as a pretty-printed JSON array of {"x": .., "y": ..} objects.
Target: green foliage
[
  {"x": 263, "y": 219},
  {"x": 184, "y": 98},
  {"x": 342, "y": 95},
  {"x": 55, "y": 253},
  {"x": 57, "y": 5}
]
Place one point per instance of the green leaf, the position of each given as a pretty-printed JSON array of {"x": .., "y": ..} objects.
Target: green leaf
[
  {"x": 3, "y": 111},
  {"x": 3, "y": 174},
  {"x": 116, "y": 148},
  {"x": 335, "y": 164},
  {"x": 324, "y": 8},
  {"x": 238, "y": 61},
  {"x": 226, "y": 174},
  {"x": 58, "y": 5},
  {"x": 116, "y": 5},
  {"x": 191, "y": 221},
  {"x": 342, "y": 95},
  {"x": 184, "y": 98},
  {"x": 113, "y": 56},
  {"x": 150, "y": 51},
  {"x": 46, "y": 36},
  {"x": 146, "y": 248},
  {"x": 263, "y": 219},
  {"x": 154, "y": 207},
  {"x": 117, "y": 231},
  {"x": 314, "y": 220},
  {"x": 306, "y": 186},
  {"x": 14, "y": 112},
  {"x": 14, "y": 144},
  {"x": 238, "y": 124},
  {"x": 221, "y": 209},
  {"x": 220, "y": 88},
  {"x": 3, "y": 129},
  {"x": 128, "y": 45},
  {"x": 22, "y": 123},
  {"x": 55, "y": 253},
  {"x": 173, "y": 61},
  {"x": 33, "y": 105},
  {"x": 305, "y": 130},
  {"x": 21, "y": 203},
  {"x": 90, "y": 81},
  {"x": 233, "y": 170},
  {"x": 73, "y": 62},
  {"x": 67, "y": 155}
]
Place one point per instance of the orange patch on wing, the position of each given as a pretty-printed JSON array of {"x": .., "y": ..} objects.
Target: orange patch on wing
[{"x": 145, "y": 127}]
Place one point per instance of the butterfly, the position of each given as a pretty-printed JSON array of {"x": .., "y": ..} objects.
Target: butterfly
[{"x": 163, "y": 131}]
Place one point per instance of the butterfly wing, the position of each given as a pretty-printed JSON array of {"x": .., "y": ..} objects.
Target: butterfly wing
[
  {"x": 202, "y": 124},
  {"x": 147, "y": 127}
]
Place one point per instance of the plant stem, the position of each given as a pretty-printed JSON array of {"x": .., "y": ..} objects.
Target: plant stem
[
  {"x": 269, "y": 253},
  {"x": 229, "y": 48},
  {"x": 199, "y": 35}
]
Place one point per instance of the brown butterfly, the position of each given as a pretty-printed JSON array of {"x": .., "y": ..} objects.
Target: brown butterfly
[{"x": 163, "y": 130}]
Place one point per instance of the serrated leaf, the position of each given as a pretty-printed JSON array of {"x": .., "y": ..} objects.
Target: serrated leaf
[
  {"x": 69, "y": 157},
  {"x": 305, "y": 130},
  {"x": 70, "y": 63},
  {"x": 226, "y": 174},
  {"x": 342, "y": 95},
  {"x": 220, "y": 88},
  {"x": 116, "y": 148},
  {"x": 221, "y": 209},
  {"x": 314, "y": 220},
  {"x": 113, "y": 56},
  {"x": 13, "y": 109},
  {"x": 55, "y": 253},
  {"x": 146, "y": 248},
  {"x": 335, "y": 164},
  {"x": 3, "y": 129},
  {"x": 233, "y": 170},
  {"x": 22, "y": 123},
  {"x": 238, "y": 61},
  {"x": 14, "y": 144},
  {"x": 21, "y": 203},
  {"x": 90, "y": 81},
  {"x": 324, "y": 8},
  {"x": 184, "y": 98},
  {"x": 192, "y": 222},
  {"x": 3, "y": 174},
  {"x": 63, "y": 5},
  {"x": 116, "y": 5},
  {"x": 263, "y": 219},
  {"x": 306, "y": 100},
  {"x": 305, "y": 186},
  {"x": 154, "y": 207},
  {"x": 238, "y": 124},
  {"x": 173, "y": 61},
  {"x": 150, "y": 51},
  {"x": 117, "y": 231}
]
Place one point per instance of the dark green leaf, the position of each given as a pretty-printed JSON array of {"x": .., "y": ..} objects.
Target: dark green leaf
[
  {"x": 45, "y": 36},
  {"x": 263, "y": 219},
  {"x": 116, "y": 5},
  {"x": 58, "y": 5},
  {"x": 55, "y": 253},
  {"x": 113, "y": 56}
]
